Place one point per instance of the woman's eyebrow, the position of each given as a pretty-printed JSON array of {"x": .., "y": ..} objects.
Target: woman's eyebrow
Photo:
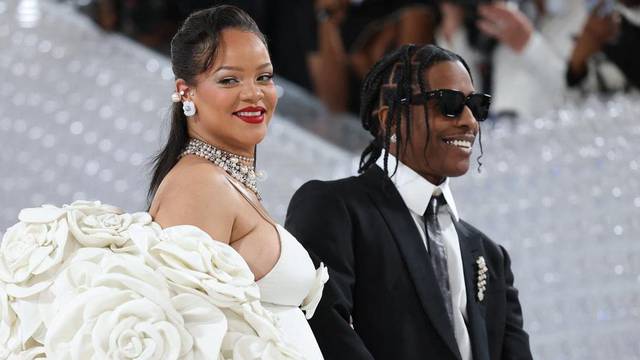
[{"x": 237, "y": 68}]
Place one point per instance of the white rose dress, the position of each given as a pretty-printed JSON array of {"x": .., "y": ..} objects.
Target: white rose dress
[{"x": 88, "y": 281}]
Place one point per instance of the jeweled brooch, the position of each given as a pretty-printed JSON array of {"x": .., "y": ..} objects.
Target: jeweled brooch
[{"x": 481, "y": 280}]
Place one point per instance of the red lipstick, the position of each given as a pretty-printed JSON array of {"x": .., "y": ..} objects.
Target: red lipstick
[{"x": 251, "y": 114}]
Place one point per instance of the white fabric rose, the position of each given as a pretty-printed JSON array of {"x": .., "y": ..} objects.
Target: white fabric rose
[
  {"x": 31, "y": 252},
  {"x": 118, "y": 307},
  {"x": 30, "y": 249},
  {"x": 189, "y": 258},
  {"x": 94, "y": 224}
]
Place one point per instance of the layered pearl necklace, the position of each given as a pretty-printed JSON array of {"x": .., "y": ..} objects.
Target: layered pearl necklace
[{"x": 239, "y": 167}]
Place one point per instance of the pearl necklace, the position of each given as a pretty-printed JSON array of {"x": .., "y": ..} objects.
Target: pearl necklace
[{"x": 239, "y": 167}]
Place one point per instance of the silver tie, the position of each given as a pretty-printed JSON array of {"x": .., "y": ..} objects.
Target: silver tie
[{"x": 437, "y": 250}]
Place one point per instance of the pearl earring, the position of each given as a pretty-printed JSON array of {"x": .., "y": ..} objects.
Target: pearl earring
[
  {"x": 393, "y": 139},
  {"x": 176, "y": 97}
]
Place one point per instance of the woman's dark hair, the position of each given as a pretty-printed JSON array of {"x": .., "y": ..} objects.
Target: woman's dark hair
[
  {"x": 193, "y": 51},
  {"x": 391, "y": 82}
]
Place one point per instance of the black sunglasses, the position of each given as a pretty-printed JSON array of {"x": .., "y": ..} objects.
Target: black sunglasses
[{"x": 451, "y": 103}]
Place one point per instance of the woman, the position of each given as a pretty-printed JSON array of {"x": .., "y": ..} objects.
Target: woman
[
  {"x": 205, "y": 176},
  {"x": 206, "y": 273}
]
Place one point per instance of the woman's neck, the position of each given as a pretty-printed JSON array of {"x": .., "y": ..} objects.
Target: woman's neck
[{"x": 237, "y": 150}]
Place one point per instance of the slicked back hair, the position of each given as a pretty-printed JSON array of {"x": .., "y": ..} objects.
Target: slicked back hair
[{"x": 391, "y": 82}]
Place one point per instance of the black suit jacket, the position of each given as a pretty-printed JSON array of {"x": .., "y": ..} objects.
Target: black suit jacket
[{"x": 382, "y": 300}]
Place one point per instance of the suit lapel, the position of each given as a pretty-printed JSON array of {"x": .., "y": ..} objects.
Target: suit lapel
[
  {"x": 403, "y": 228},
  {"x": 471, "y": 249}
]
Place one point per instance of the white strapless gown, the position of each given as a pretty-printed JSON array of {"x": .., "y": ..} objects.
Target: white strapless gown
[{"x": 285, "y": 288}]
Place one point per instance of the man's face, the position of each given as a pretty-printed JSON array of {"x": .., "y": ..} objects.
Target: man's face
[{"x": 444, "y": 149}]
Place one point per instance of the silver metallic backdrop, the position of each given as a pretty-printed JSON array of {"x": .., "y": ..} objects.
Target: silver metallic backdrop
[{"x": 82, "y": 112}]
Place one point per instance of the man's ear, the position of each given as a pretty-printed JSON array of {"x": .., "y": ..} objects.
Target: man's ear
[
  {"x": 383, "y": 113},
  {"x": 382, "y": 116}
]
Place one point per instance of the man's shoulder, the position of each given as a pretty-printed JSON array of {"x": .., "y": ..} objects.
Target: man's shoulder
[
  {"x": 343, "y": 186},
  {"x": 489, "y": 246}
]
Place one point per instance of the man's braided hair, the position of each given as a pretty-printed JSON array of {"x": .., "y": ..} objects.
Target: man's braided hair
[{"x": 391, "y": 82}]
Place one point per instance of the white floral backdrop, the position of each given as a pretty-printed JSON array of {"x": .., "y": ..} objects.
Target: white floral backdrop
[{"x": 81, "y": 113}]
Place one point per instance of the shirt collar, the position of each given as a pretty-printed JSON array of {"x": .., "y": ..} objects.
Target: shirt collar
[{"x": 414, "y": 189}]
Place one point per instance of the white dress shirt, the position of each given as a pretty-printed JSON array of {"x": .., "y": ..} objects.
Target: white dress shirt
[{"x": 416, "y": 192}]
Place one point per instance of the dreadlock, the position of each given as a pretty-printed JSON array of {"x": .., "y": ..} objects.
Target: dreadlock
[
  {"x": 391, "y": 83},
  {"x": 373, "y": 97}
]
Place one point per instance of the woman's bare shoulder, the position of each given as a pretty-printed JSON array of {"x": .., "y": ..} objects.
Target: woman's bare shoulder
[{"x": 197, "y": 193}]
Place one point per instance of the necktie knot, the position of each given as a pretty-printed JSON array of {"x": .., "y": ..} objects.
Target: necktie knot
[{"x": 435, "y": 203}]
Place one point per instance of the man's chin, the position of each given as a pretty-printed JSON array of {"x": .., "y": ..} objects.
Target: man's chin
[{"x": 459, "y": 170}]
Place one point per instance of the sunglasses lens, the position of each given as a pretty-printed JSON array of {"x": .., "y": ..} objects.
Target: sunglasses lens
[
  {"x": 479, "y": 105},
  {"x": 451, "y": 103}
]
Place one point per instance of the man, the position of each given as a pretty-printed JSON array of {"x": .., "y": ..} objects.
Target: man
[{"x": 409, "y": 279}]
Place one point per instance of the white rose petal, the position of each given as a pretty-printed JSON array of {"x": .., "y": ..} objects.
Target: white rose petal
[
  {"x": 145, "y": 237},
  {"x": 205, "y": 322},
  {"x": 30, "y": 320},
  {"x": 44, "y": 214},
  {"x": 8, "y": 339},
  {"x": 29, "y": 354},
  {"x": 312, "y": 300},
  {"x": 27, "y": 291},
  {"x": 93, "y": 207},
  {"x": 251, "y": 347}
]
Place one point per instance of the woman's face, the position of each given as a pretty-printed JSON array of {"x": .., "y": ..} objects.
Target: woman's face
[
  {"x": 236, "y": 98},
  {"x": 443, "y": 157}
]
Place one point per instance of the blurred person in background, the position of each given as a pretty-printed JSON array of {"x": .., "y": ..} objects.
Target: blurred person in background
[
  {"x": 534, "y": 42},
  {"x": 150, "y": 22},
  {"x": 351, "y": 35},
  {"x": 606, "y": 56},
  {"x": 153, "y": 22},
  {"x": 458, "y": 29}
]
